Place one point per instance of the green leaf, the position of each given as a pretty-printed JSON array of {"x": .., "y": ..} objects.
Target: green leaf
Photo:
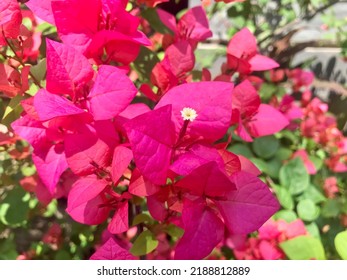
[
  {"x": 294, "y": 176},
  {"x": 284, "y": 197},
  {"x": 39, "y": 70},
  {"x": 283, "y": 153},
  {"x": 33, "y": 89},
  {"x": 144, "y": 63},
  {"x": 13, "y": 110},
  {"x": 267, "y": 91},
  {"x": 144, "y": 244},
  {"x": 205, "y": 58},
  {"x": 265, "y": 147},
  {"x": 331, "y": 208},
  {"x": 303, "y": 248},
  {"x": 313, "y": 194},
  {"x": 273, "y": 167},
  {"x": 313, "y": 230},
  {"x": 8, "y": 249},
  {"x": 13, "y": 209},
  {"x": 241, "y": 149},
  {"x": 51, "y": 209},
  {"x": 142, "y": 218},
  {"x": 289, "y": 135},
  {"x": 46, "y": 28},
  {"x": 174, "y": 231},
  {"x": 287, "y": 215},
  {"x": 152, "y": 17},
  {"x": 307, "y": 210},
  {"x": 62, "y": 255},
  {"x": 318, "y": 162},
  {"x": 260, "y": 164},
  {"x": 341, "y": 244},
  {"x": 28, "y": 170}
]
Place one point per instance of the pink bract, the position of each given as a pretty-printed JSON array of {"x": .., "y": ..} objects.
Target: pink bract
[
  {"x": 152, "y": 145},
  {"x": 92, "y": 25},
  {"x": 203, "y": 230},
  {"x": 210, "y": 100},
  {"x": 112, "y": 92},
  {"x": 84, "y": 201},
  {"x": 10, "y": 20},
  {"x": 111, "y": 250},
  {"x": 241, "y": 209},
  {"x": 243, "y": 55},
  {"x": 68, "y": 71}
]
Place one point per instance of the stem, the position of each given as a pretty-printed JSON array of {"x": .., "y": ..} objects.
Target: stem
[
  {"x": 138, "y": 211},
  {"x": 230, "y": 136},
  {"x": 182, "y": 133},
  {"x": 183, "y": 130},
  {"x": 20, "y": 60}
]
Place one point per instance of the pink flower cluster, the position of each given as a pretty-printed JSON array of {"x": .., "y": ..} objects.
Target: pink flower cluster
[
  {"x": 313, "y": 119},
  {"x": 87, "y": 132},
  {"x": 265, "y": 246}
]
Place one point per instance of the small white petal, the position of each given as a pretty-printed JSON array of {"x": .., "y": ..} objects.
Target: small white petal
[{"x": 188, "y": 114}]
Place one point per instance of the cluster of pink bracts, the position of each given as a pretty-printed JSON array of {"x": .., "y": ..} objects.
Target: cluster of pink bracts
[{"x": 92, "y": 144}]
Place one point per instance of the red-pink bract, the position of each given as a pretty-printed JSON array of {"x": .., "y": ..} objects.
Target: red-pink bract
[
  {"x": 310, "y": 167},
  {"x": 196, "y": 156},
  {"x": 250, "y": 206},
  {"x": 42, "y": 9},
  {"x": 203, "y": 230},
  {"x": 31, "y": 130},
  {"x": 92, "y": 26},
  {"x": 85, "y": 203},
  {"x": 262, "y": 63},
  {"x": 269, "y": 251},
  {"x": 86, "y": 150},
  {"x": 231, "y": 161},
  {"x": 180, "y": 58},
  {"x": 243, "y": 54},
  {"x": 248, "y": 166},
  {"x": 207, "y": 180},
  {"x": 178, "y": 61},
  {"x": 12, "y": 81},
  {"x": 246, "y": 99},
  {"x": 111, "y": 250},
  {"x": 266, "y": 121},
  {"x": 50, "y": 163},
  {"x": 112, "y": 92},
  {"x": 193, "y": 25},
  {"x": 68, "y": 71},
  {"x": 210, "y": 100},
  {"x": 167, "y": 19},
  {"x": 152, "y": 144},
  {"x": 10, "y": 20},
  {"x": 122, "y": 157},
  {"x": 49, "y": 106},
  {"x": 119, "y": 222},
  {"x": 140, "y": 186}
]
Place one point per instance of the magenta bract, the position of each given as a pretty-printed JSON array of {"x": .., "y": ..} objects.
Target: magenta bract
[
  {"x": 210, "y": 100},
  {"x": 68, "y": 71},
  {"x": 203, "y": 230},
  {"x": 152, "y": 145},
  {"x": 111, "y": 251},
  {"x": 248, "y": 207}
]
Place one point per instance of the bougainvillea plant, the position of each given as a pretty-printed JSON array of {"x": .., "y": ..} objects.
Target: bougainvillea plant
[{"x": 141, "y": 148}]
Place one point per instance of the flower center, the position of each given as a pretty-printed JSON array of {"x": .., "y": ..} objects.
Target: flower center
[{"x": 188, "y": 114}]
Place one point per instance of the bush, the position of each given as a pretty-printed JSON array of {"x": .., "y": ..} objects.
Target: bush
[{"x": 118, "y": 142}]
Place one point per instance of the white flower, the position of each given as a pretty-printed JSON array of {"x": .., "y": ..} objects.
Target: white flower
[{"x": 188, "y": 114}]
